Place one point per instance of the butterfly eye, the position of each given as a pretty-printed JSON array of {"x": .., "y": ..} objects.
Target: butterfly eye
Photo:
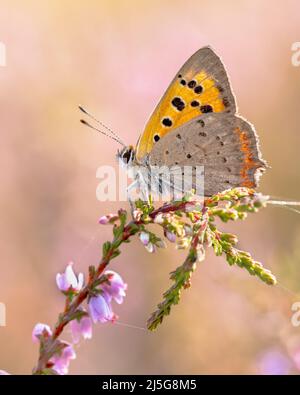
[{"x": 127, "y": 155}]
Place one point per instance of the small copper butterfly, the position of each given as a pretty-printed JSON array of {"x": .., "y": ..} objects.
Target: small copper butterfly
[{"x": 196, "y": 123}]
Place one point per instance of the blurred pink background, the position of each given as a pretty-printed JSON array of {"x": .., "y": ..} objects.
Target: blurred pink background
[{"x": 117, "y": 58}]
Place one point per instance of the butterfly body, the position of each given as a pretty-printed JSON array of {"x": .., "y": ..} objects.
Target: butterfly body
[{"x": 196, "y": 124}]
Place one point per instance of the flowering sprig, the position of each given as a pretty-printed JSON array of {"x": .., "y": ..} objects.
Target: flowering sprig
[
  {"x": 189, "y": 223},
  {"x": 201, "y": 232}
]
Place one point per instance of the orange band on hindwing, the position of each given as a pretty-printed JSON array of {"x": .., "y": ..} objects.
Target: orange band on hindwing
[{"x": 248, "y": 163}]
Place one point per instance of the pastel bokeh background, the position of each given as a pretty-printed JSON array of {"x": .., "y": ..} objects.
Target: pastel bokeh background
[{"x": 117, "y": 58}]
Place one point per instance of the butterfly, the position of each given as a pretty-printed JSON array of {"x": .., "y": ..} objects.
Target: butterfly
[{"x": 196, "y": 123}]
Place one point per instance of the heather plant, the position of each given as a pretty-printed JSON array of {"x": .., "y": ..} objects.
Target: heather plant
[{"x": 188, "y": 223}]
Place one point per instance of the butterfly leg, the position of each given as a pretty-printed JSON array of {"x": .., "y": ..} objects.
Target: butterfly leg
[
  {"x": 144, "y": 186},
  {"x": 130, "y": 190},
  {"x": 141, "y": 185}
]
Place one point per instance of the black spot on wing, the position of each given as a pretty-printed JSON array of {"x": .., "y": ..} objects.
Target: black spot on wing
[
  {"x": 192, "y": 84},
  {"x": 198, "y": 89},
  {"x": 178, "y": 103},
  {"x": 167, "y": 122},
  {"x": 206, "y": 108}
]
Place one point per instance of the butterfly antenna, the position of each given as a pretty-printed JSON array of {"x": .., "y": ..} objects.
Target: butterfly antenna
[
  {"x": 101, "y": 131},
  {"x": 102, "y": 124}
]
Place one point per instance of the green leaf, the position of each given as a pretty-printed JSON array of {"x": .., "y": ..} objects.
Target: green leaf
[
  {"x": 46, "y": 372},
  {"x": 77, "y": 315},
  {"x": 106, "y": 247}
]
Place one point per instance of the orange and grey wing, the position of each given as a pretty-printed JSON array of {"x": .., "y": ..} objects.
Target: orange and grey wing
[
  {"x": 201, "y": 86},
  {"x": 225, "y": 145}
]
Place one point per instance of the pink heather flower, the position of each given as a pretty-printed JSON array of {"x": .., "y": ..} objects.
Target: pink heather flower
[
  {"x": 81, "y": 328},
  {"x": 145, "y": 238},
  {"x": 61, "y": 362},
  {"x": 274, "y": 362},
  {"x": 150, "y": 247},
  {"x": 116, "y": 287},
  {"x": 106, "y": 219},
  {"x": 188, "y": 231},
  {"x": 159, "y": 219},
  {"x": 40, "y": 330},
  {"x": 137, "y": 214},
  {"x": 296, "y": 358},
  {"x": 100, "y": 309},
  {"x": 4, "y": 373},
  {"x": 161, "y": 244},
  {"x": 68, "y": 280},
  {"x": 171, "y": 236}
]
